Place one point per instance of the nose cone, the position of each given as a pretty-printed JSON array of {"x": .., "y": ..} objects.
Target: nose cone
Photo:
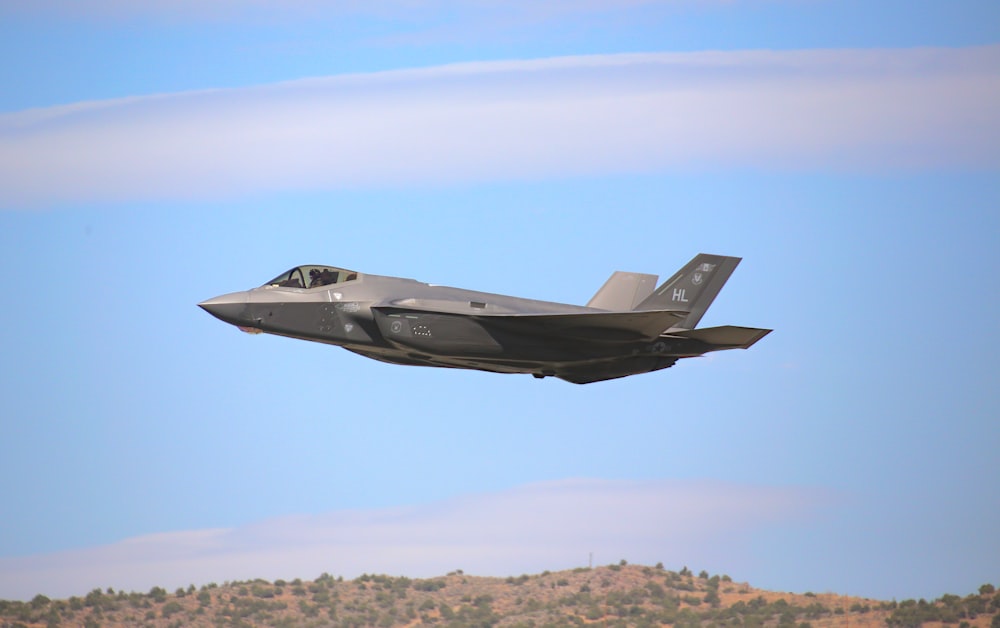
[{"x": 230, "y": 308}]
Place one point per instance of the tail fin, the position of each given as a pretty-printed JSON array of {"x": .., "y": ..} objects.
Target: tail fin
[
  {"x": 623, "y": 291},
  {"x": 693, "y": 287}
]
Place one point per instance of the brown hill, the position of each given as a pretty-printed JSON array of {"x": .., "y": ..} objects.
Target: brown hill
[{"x": 615, "y": 595}]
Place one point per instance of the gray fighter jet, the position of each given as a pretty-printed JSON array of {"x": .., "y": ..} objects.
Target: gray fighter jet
[{"x": 627, "y": 328}]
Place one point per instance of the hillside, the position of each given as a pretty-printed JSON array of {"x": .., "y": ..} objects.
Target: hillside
[{"x": 614, "y": 595}]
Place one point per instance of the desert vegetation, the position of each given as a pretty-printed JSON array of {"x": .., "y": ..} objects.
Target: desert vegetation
[{"x": 614, "y": 595}]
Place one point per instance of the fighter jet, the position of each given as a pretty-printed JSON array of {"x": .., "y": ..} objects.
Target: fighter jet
[{"x": 630, "y": 326}]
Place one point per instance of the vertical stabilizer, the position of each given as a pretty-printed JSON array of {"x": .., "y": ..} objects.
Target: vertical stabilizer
[
  {"x": 623, "y": 291},
  {"x": 692, "y": 288}
]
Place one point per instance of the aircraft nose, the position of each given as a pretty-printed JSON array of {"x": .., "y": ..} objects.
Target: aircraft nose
[{"x": 230, "y": 308}]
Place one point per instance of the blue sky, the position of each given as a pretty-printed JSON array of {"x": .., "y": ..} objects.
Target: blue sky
[{"x": 153, "y": 157}]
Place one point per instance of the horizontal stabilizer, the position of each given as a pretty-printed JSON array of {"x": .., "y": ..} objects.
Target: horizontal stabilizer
[
  {"x": 725, "y": 337},
  {"x": 623, "y": 291}
]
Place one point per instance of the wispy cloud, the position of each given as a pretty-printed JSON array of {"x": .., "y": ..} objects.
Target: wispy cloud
[
  {"x": 528, "y": 529},
  {"x": 523, "y": 10},
  {"x": 852, "y": 110}
]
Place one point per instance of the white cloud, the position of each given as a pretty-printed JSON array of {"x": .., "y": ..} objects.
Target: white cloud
[
  {"x": 548, "y": 525},
  {"x": 424, "y": 10},
  {"x": 852, "y": 110}
]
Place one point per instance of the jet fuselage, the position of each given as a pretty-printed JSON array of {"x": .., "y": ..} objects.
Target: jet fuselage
[{"x": 404, "y": 321}]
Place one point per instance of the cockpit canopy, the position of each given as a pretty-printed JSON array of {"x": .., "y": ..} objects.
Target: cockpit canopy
[{"x": 311, "y": 277}]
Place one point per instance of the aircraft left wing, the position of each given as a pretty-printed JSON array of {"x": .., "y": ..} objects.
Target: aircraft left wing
[
  {"x": 610, "y": 326},
  {"x": 592, "y": 326}
]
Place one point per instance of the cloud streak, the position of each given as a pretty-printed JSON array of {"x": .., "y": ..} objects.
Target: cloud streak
[
  {"x": 523, "y": 10},
  {"x": 547, "y": 525},
  {"x": 846, "y": 110}
]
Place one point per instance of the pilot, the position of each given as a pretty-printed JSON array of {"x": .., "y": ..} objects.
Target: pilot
[{"x": 315, "y": 279}]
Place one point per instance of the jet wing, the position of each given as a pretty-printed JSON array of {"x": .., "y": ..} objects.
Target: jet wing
[
  {"x": 590, "y": 326},
  {"x": 609, "y": 326}
]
